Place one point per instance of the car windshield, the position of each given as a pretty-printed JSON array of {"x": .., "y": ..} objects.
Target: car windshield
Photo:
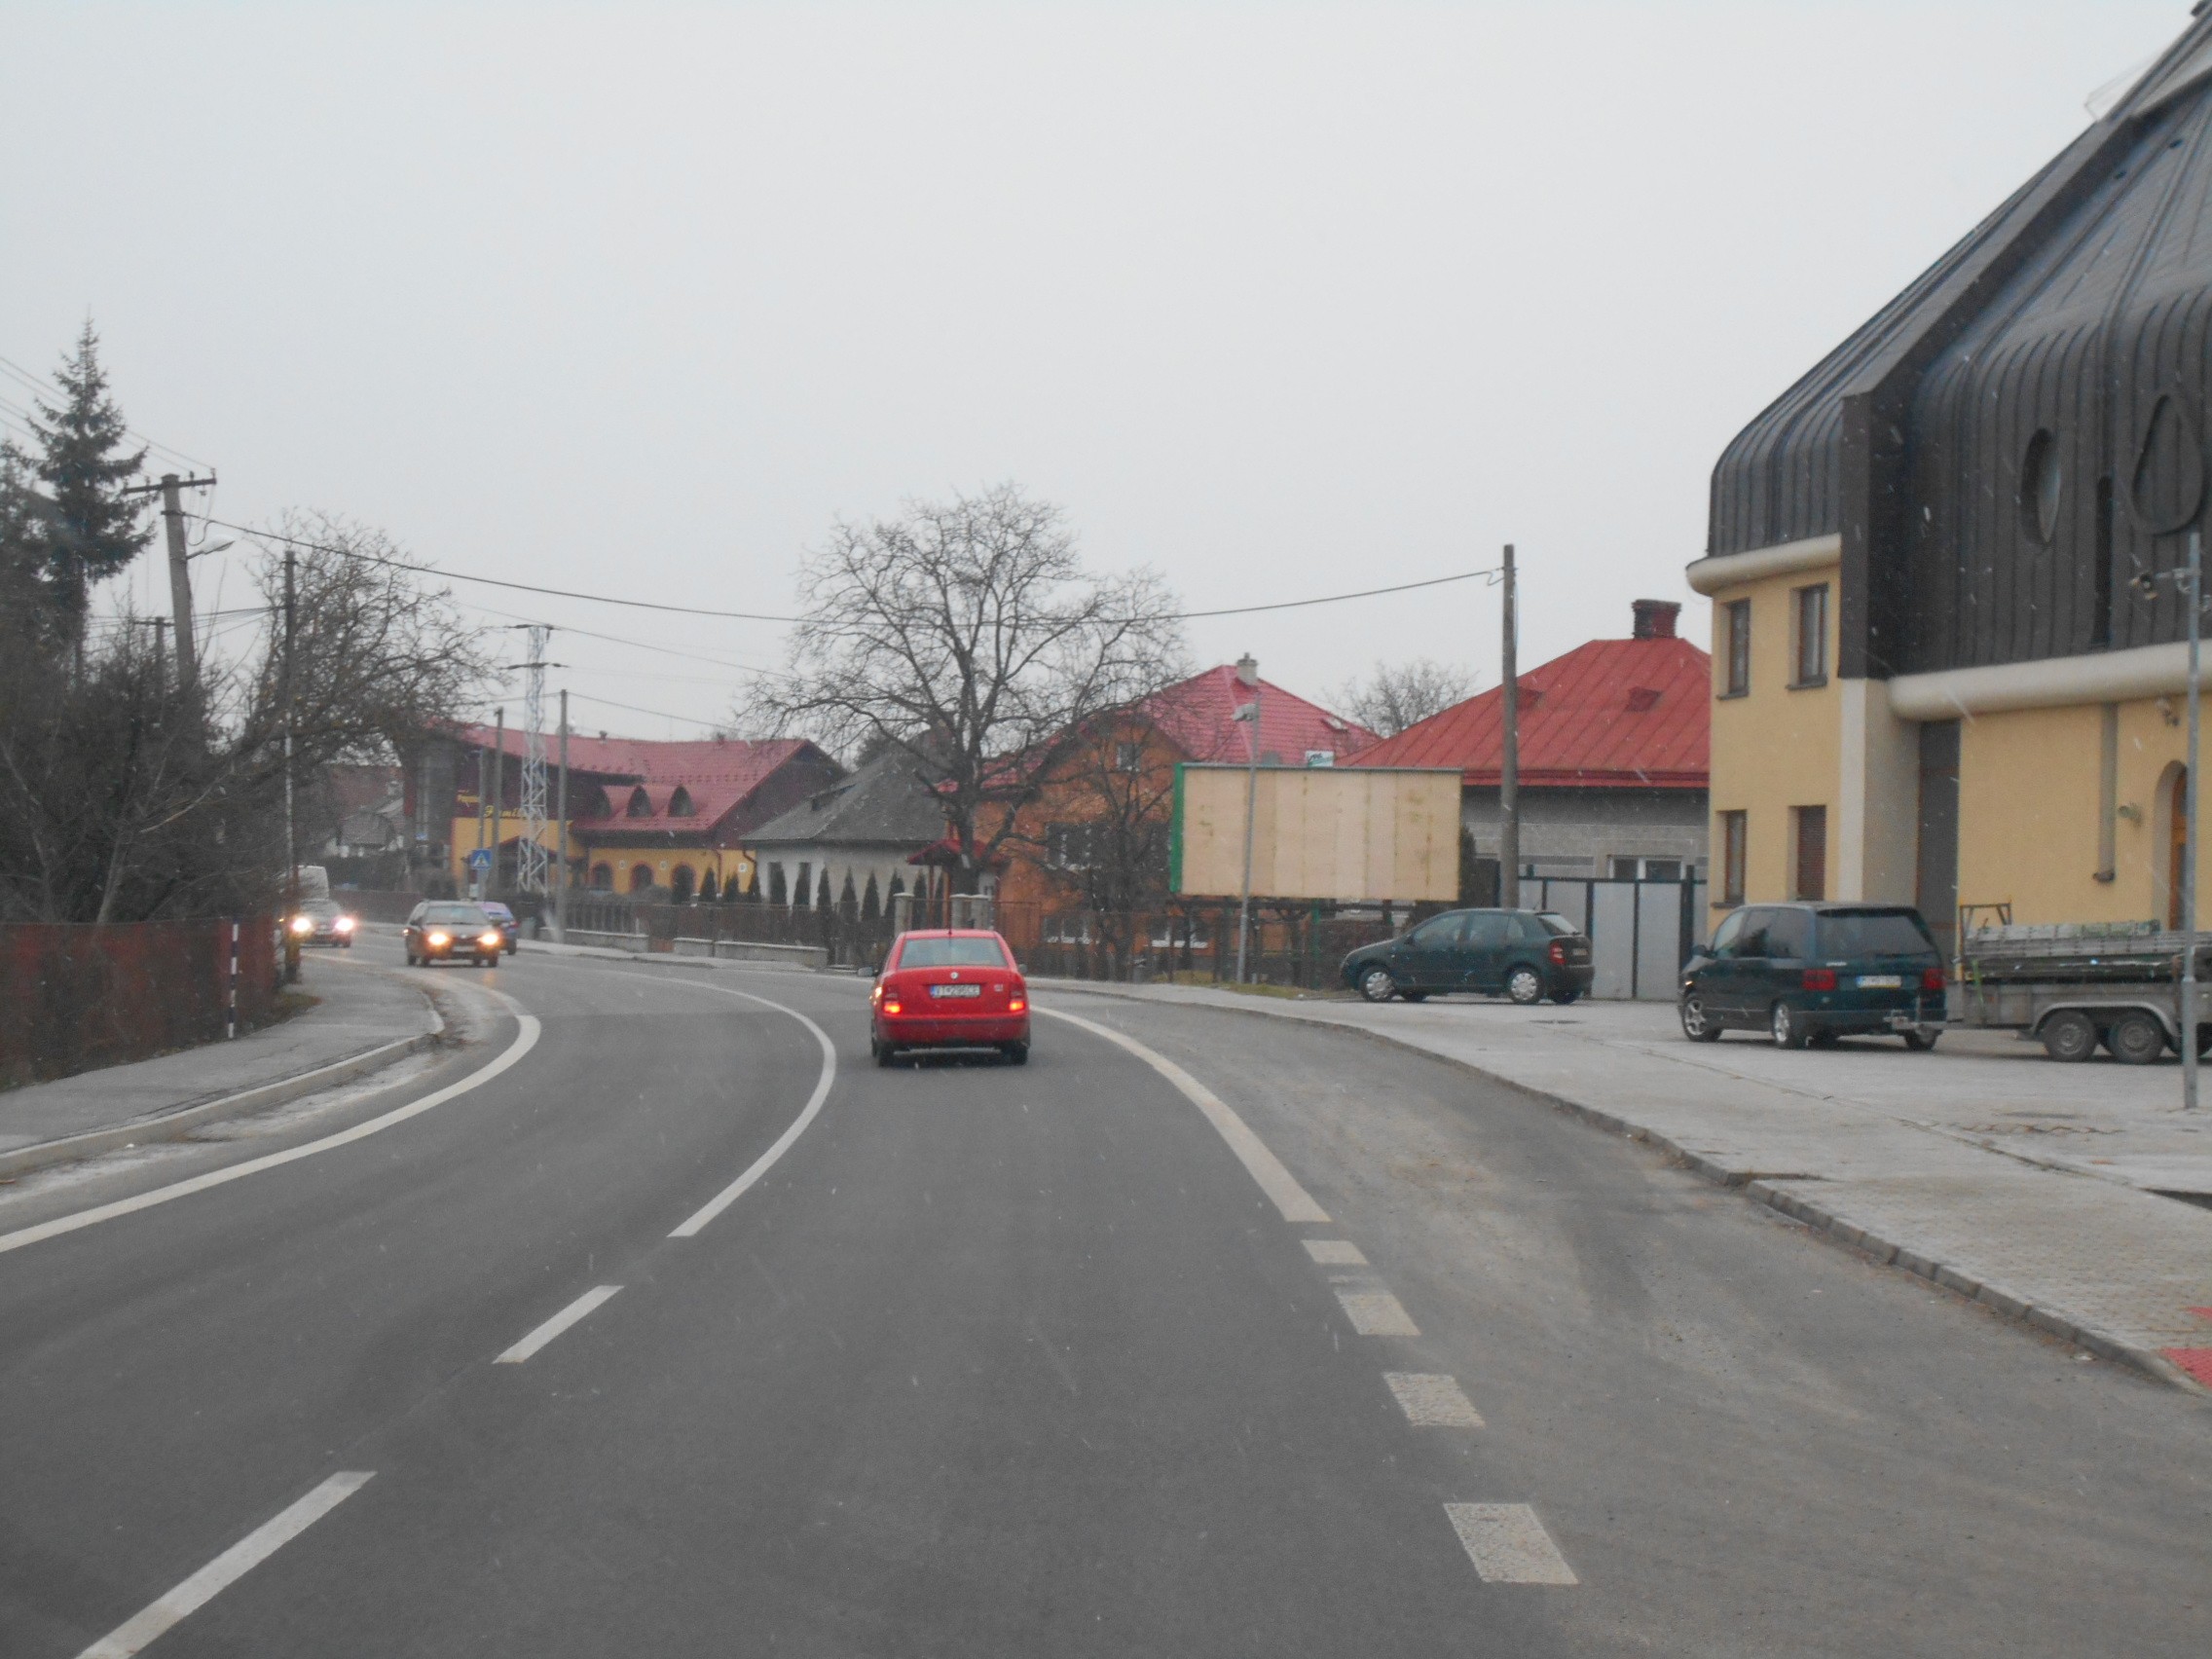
[
  {"x": 455, "y": 916},
  {"x": 1874, "y": 933},
  {"x": 318, "y": 907},
  {"x": 952, "y": 953}
]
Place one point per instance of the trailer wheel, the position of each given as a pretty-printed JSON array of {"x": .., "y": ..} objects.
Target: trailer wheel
[
  {"x": 2069, "y": 1036},
  {"x": 2136, "y": 1040}
]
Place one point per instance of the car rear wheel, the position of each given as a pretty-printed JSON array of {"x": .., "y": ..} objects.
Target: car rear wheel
[
  {"x": 1788, "y": 1026},
  {"x": 885, "y": 1054},
  {"x": 1920, "y": 1041},
  {"x": 1412, "y": 996},
  {"x": 1525, "y": 985},
  {"x": 1698, "y": 1025},
  {"x": 2136, "y": 1040},
  {"x": 1377, "y": 985},
  {"x": 1017, "y": 1054},
  {"x": 1565, "y": 998},
  {"x": 2070, "y": 1036}
]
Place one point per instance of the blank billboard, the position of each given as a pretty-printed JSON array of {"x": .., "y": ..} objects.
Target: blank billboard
[{"x": 1349, "y": 834}]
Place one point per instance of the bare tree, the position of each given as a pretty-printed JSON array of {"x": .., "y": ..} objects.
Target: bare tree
[
  {"x": 1114, "y": 789},
  {"x": 1403, "y": 694},
  {"x": 968, "y": 635},
  {"x": 123, "y": 801}
]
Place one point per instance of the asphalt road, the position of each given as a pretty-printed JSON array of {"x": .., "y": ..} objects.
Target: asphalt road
[{"x": 1024, "y": 1361}]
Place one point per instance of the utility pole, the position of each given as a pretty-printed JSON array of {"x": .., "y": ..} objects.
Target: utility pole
[
  {"x": 1248, "y": 674},
  {"x": 160, "y": 652},
  {"x": 498, "y": 792},
  {"x": 2190, "y": 843},
  {"x": 1509, "y": 774},
  {"x": 560, "y": 832},
  {"x": 170, "y": 489},
  {"x": 291, "y": 835}
]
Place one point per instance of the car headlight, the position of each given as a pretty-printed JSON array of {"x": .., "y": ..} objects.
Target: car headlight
[
  {"x": 490, "y": 939},
  {"x": 441, "y": 941},
  {"x": 303, "y": 924},
  {"x": 344, "y": 924}
]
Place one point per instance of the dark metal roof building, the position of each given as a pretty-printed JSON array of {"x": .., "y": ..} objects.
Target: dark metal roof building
[{"x": 2020, "y": 433}]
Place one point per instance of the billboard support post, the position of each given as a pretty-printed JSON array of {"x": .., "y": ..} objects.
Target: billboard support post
[{"x": 1248, "y": 674}]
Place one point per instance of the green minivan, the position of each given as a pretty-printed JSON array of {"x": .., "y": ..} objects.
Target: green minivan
[{"x": 1808, "y": 973}]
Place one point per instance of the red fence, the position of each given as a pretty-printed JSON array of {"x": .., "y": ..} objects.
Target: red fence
[{"x": 75, "y": 997}]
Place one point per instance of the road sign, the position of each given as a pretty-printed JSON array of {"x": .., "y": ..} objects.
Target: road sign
[{"x": 480, "y": 860}]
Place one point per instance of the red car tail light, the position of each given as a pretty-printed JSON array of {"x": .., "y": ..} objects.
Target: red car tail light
[
  {"x": 1931, "y": 979},
  {"x": 1014, "y": 1005},
  {"x": 1558, "y": 952},
  {"x": 890, "y": 1007},
  {"x": 1820, "y": 979}
]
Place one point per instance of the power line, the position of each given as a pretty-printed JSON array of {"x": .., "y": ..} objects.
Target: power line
[
  {"x": 757, "y": 616},
  {"x": 46, "y": 389},
  {"x": 657, "y": 714}
]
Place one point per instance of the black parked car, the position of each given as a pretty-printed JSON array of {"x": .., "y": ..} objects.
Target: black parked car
[
  {"x": 1527, "y": 955},
  {"x": 443, "y": 931},
  {"x": 1813, "y": 973}
]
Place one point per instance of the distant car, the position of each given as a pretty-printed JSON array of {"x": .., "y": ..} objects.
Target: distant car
[
  {"x": 1808, "y": 973},
  {"x": 322, "y": 921},
  {"x": 444, "y": 931},
  {"x": 950, "y": 988},
  {"x": 505, "y": 917},
  {"x": 1526, "y": 955}
]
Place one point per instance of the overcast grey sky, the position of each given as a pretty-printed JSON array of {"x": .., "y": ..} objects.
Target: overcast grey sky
[{"x": 1282, "y": 299}]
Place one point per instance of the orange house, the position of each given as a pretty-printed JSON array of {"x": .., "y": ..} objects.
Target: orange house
[{"x": 1092, "y": 832}]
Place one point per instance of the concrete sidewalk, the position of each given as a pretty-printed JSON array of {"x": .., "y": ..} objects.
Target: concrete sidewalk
[
  {"x": 367, "y": 1017},
  {"x": 2060, "y": 1194}
]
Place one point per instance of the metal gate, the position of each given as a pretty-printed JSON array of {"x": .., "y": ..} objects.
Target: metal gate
[{"x": 1641, "y": 932}]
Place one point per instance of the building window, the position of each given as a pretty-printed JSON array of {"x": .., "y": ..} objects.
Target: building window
[
  {"x": 602, "y": 879},
  {"x": 1811, "y": 645},
  {"x": 1733, "y": 826},
  {"x": 640, "y": 803},
  {"x": 1071, "y": 846},
  {"x": 1735, "y": 647},
  {"x": 1128, "y": 756},
  {"x": 1811, "y": 876}
]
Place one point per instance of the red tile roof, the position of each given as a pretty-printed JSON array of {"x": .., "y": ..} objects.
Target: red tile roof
[
  {"x": 1196, "y": 715},
  {"x": 1611, "y": 713},
  {"x": 719, "y": 772}
]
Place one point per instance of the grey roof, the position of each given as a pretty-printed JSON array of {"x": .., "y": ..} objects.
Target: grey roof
[
  {"x": 882, "y": 804},
  {"x": 2082, "y": 310}
]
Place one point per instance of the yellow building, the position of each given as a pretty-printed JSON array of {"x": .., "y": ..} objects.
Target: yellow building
[{"x": 1948, "y": 629}]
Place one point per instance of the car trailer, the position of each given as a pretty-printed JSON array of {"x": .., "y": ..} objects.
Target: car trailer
[{"x": 2076, "y": 986}]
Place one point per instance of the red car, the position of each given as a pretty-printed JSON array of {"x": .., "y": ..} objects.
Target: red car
[{"x": 950, "y": 988}]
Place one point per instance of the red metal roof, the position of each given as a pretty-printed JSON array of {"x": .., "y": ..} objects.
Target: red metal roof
[
  {"x": 1197, "y": 716},
  {"x": 1618, "y": 714},
  {"x": 717, "y": 772}
]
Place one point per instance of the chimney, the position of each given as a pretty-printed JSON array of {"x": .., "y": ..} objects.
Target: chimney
[{"x": 1655, "y": 618}]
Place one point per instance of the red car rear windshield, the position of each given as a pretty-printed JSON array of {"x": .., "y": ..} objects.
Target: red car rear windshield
[{"x": 952, "y": 953}]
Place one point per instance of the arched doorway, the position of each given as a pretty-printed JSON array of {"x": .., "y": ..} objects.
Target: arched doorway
[
  {"x": 640, "y": 878},
  {"x": 680, "y": 884},
  {"x": 602, "y": 878}
]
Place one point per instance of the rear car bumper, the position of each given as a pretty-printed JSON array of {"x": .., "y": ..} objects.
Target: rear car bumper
[
  {"x": 1905, "y": 1016},
  {"x": 973, "y": 1031}
]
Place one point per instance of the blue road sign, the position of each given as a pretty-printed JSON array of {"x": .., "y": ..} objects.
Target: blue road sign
[{"x": 480, "y": 860}]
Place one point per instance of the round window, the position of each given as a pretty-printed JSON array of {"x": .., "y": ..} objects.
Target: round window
[{"x": 2040, "y": 487}]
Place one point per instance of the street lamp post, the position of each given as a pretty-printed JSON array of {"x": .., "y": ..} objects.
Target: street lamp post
[
  {"x": 2187, "y": 877},
  {"x": 1248, "y": 675}
]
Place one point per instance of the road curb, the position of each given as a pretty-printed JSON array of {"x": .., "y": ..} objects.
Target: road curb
[
  {"x": 177, "y": 1126},
  {"x": 1886, "y": 1252}
]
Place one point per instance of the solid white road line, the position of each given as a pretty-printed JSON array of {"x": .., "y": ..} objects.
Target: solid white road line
[
  {"x": 526, "y": 1039},
  {"x": 1336, "y": 1251},
  {"x": 560, "y": 1322},
  {"x": 226, "y": 1569},
  {"x": 1432, "y": 1401},
  {"x": 1292, "y": 1199},
  {"x": 1508, "y": 1544},
  {"x": 766, "y": 1161},
  {"x": 1376, "y": 1313}
]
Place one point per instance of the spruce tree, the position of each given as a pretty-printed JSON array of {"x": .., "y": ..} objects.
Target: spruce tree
[
  {"x": 92, "y": 529},
  {"x": 22, "y": 544}
]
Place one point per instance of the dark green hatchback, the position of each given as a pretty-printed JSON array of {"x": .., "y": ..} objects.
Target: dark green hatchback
[{"x": 1813, "y": 973}]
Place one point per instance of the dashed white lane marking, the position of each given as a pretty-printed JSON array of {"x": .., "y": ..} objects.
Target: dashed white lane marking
[
  {"x": 1376, "y": 1313},
  {"x": 1335, "y": 1250},
  {"x": 1508, "y": 1544},
  {"x": 1432, "y": 1401},
  {"x": 766, "y": 1161},
  {"x": 1294, "y": 1201},
  {"x": 560, "y": 1321},
  {"x": 526, "y": 1039},
  {"x": 226, "y": 1569}
]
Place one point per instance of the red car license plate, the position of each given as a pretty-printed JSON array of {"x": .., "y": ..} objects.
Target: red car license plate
[{"x": 956, "y": 991}]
